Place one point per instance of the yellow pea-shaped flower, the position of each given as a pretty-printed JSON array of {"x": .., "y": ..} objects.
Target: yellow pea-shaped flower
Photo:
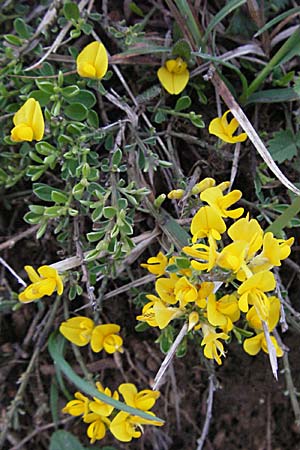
[
  {"x": 174, "y": 75},
  {"x": 92, "y": 61},
  {"x": 29, "y": 122}
]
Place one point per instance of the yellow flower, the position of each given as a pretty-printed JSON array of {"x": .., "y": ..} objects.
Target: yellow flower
[
  {"x": 106, "y": 337},
  {"x": 98, "y": 406},
  {"x": 124, "y": 426},
  {"x": 248, "y": 231},
  {"x": 97, "y": 427},
  {"x": 174, "y": 75},
  {"x": 92, "y": 61},
  {"x": 202, "y": 185},
  {"x": 185, "y": 292},
  {"x": 206, "y": 288},
  {"x": 215, "y": 198},
  {"x": 193, "y": 321},
  {"x": 224, "y": 130},
  {"x": 213, "y": 349},
  {"x": 232, "y": 257},
  {"x": 45, "y": 282},
  {"x": 77, "y": 330},
  {"x": 253, "y": 345},
  {"x": 143, "y": 400},
  {"x": 273, "y": 252},
  {"x": 77, "y": 407},
  {"x": 176, "y": 194},
  {"x": 29, "y": 122},
  {"x": 206, "y": 253},
  {"x": 157, "y": 314},
  {"x": 252, "y": 292},
  {"x": 207, "y": 222},
  {"x": 224, "y": 312},
  {"x": 165, "y": 288},
  {"x": 273, "y": 317},
  {"x": 156, "y": 264}
]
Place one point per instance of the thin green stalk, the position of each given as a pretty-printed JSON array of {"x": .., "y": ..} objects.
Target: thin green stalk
[
  {"x": 286, "y": 52},
  {"x": 282, "y": 221}
]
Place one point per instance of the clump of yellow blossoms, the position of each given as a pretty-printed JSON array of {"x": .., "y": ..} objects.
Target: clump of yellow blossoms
[
  {"x": 235, "y": 259},
  {"x": 44, "y": 282},
  {"x": 102, "y": 417},
  {"x": 82, "y": 331}
]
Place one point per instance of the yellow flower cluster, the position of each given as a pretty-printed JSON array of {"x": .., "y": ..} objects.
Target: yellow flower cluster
[
  {"x": 82, "y": 331},
  {"x": 102, "y": 417},
  {"x": 187, "y": 285}
]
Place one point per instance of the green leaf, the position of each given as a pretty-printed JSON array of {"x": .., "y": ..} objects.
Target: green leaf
[
  {"x": 42, "y": 97},
  {"x": 109, "y": 212},
  {"x": 278, "y": 18},
  {"x": 63, "y": 440},
  {"x": 283, "y": 220},
  {"x": 45, "y": 86},
  {"x": 160, "y": 117},
  {"x": 70, "y": 91},
  {"x": 117, "y": 157},
  {"x": 84, "y": 386},
  {"x": 84, "y": 97},
  {"x": 21, "y": 28},
  {"x": 95, "y": 236},
  {"x": 32, "y": 218},
  {"x": 196, "y": 120},
  {"x": 44, "y": 192},
  {"x": 182, "y": 49},
  {"x": 275, "y": 96},
  {"x": 283, "y": 146},
  {"x": 93, "y": 119},
  {"x": 136, "y": 9},
  {"x": 183, "y": 103},
  {"x": 44, "y": 148},
  {"x": 13, "y": 40},
  {"x": 54, "y": 401},
  {"x": 76, "y": 111},
  {"x": 59, "y": 197},
  {"x": 227, "y": 9},
  {"x": 71, "y": 11}
]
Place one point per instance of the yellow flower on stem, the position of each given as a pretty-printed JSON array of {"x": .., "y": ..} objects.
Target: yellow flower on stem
[
  {"x": 97, "y": 427},
  {"x": 156, "y": 313},
  {"x": 174, "y": 75},
  {"x": 143, "y": 400},
  {"x": 215, "y": 198},
  {"x": 224, "y": 312},
  {"x": 92, "y": 61},
  {"x": 29, "y": 122},
  {"x": 213, "y": 348},
  {"x": 77, "y": 407},
  {"x": 156, "y": 264},
  {"x": 44, "y": 282},
  {"x": 274, "y": 313},
  {"x": 207, "y": 222},
  {"x": 125, "y": 426},
  {"x": 248, "y": 231},
  {"x": 193, "y": 321},
  {"x": 106, "y": 337},
  {"x": 185, "y": 292},
  {"x": 224, "y": 130},
  {"x": 232, "y": 257},
  {"x": 253, "y": 345},
  {"x": 205, "y": 253},
  {"x": 206, "y": 288},
  {"x": 176, "y": 194},
  {"x": 77, "y": 330},
  {"x": 98, "y": 406},
  {"x": 273, "y": 252},
  {"x": 252, "y": 292},
  {"x": 165, "y": 287},
  {"x": 202, "y": 185}
]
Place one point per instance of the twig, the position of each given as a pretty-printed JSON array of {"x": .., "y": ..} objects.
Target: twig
[
  {"x": 169, "y": 356},
  {"x": 11, "y": 270},
  {"x": 210, "y": 399},
  {"x": 14, "y": 239},
  {"x": 291, "y": 388},
  {"x": 235, "y": 163}
]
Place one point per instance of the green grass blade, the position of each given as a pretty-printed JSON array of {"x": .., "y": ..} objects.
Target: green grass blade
[
  {"x": 282, "y": 221},
  {"x": 274, "y": 96},
  {"x": 84, "y": 386},
  {"x": 185, "y": 11},
  {"x": 277, "y": 19},
  {"x": 289, "y": 49},
  {"x": 227, "y": 9}
]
